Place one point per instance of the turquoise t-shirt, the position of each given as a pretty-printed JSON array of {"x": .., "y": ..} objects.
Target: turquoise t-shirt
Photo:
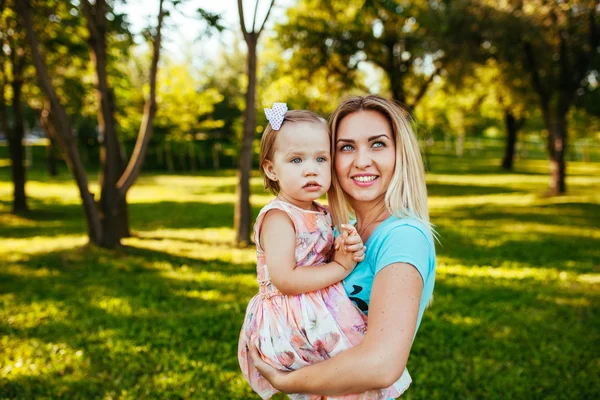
[{"x": 395, "y": 240}]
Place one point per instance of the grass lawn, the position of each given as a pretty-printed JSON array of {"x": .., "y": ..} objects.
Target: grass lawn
[{"x": 515, "y": 315}]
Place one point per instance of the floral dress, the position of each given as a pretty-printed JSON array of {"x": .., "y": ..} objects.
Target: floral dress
[{"x": 300, "y": 330}]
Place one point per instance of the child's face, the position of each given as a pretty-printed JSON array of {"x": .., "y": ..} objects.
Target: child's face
[{"x": 301, "y": 163}]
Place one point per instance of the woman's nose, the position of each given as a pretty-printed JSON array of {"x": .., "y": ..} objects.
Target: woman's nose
[{"x": 363, "y": 159}]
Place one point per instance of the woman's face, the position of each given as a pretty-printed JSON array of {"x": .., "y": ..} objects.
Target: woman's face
[{"x": 365, "y": 156}]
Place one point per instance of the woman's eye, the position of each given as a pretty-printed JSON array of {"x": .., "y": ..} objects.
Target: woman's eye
[
  {"x": 378, "y": 144},
  {"x": 346, "y": 147},
  {"x": 321, "y": 159},
  {"x": 296, "y": 160}
]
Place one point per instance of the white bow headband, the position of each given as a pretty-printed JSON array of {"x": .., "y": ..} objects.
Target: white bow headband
[{"x": 276, "y": 115}]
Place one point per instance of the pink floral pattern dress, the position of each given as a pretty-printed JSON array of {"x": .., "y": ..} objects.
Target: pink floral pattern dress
[{"x": 300, "y": 330}]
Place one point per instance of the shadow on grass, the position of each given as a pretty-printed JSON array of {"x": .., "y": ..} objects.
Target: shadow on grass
[
  {"x": 447, "y": 190},
  {"x": 505, "y": 341},
  {"x": 529, "y": 236},
  {"x": 136, "y": 315},
  {"x": 46, "y": 218}
]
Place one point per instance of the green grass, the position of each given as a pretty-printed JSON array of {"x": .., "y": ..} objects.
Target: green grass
[{"x": 515, "y": 312}]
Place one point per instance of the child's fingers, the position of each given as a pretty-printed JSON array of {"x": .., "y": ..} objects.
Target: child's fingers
[
  {"x": 350, "y": 229},
  {"x": 336, "y": 243}
]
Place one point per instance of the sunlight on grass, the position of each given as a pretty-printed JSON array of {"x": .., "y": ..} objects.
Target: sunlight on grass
[
  {"x": 462, "y": 320},
  {"x": 210, "y": 295},
  {"x": 196, "y": 250},
  {"x": 15, "y": 248},
  {"x": 512, "y": 272},
  {"x": 33, "y": 358}
]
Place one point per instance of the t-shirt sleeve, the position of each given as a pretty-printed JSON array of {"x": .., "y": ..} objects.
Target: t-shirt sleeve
[{"x": 405, "y": 244}]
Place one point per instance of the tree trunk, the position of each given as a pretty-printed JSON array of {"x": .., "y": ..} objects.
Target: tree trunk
[
  {"x": 169, "y": 157},
  {"x": 46, "y": 125},
  {"x": 558, "y": 163},
  {"x": 511, "y": 125},
  {"x": 192, "y": 155},
  {"x": 242, "y": 217},
  {"x": 111, "y": 159},
  {"x": 15, "y": 144},
  {"x": 65, "y": 138}
]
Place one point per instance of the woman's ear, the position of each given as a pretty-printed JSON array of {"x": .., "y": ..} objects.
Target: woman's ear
[{"x": 269, "y": 170}]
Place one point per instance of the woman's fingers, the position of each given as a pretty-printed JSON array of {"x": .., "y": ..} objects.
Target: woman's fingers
[
  {"x": 359, "y": 256},
  {"x": 258, "y": 362},
  {"x": 354, "y": 247}
]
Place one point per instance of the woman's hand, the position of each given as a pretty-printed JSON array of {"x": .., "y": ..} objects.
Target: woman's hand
[{"x": 275, "y": 377}]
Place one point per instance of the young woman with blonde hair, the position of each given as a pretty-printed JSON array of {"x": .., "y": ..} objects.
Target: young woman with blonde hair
[{"x": 378, "y": 179}]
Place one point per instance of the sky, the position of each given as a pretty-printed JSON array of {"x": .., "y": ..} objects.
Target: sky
[{"x": 183, "y": 36}]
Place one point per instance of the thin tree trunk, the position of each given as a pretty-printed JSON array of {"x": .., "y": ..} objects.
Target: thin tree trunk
[
  {"x": 15, "y": 138},
  {"x": 242, "y": 217},
  {"x": 182, "y": 156},
  {"x": 558, "y": 163},
  {"x": 192, "y": 155},
  {"x": 3, "y": 109},
  {"x": 46, "y": 124},
  {"x": 242, "y": 213},
  {"x": 511, "y": 126},
  {"x": 169, "y": 157}
]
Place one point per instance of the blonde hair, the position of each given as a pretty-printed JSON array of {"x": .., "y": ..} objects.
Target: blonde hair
[
  {"x": 406, "y": 195},
  {"x": 267, "y": 143}
]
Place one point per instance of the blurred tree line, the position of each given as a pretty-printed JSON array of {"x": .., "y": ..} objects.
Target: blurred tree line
[{"x": 466, "y": 69}]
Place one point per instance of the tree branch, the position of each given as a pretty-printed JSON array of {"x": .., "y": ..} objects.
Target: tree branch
[
  {"x": 425, "y": 86},
  {"x": 88, "y": 12},
  {"x": 531, "y": 64},
  {"x": 242, "y": 21},
  {"x": 267, "y": 17},
  {"x": 145, "y": 133},
  {"x": 254, "y": 17}
]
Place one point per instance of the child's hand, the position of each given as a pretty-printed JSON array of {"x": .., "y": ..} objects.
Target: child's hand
[{"x": 349, "y": 248}]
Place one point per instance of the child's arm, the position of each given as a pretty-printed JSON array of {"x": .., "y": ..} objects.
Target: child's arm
[{"x": 278, "y": 239}]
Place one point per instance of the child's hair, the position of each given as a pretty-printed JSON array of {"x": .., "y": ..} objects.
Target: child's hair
[
  {"x": 406, "y": 195},
  {"x": 267, "y": 143}
]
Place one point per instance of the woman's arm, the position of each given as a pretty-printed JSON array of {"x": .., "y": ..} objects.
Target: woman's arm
[
  {"x": 380, "y": 359},
  {"x": 278, "y": 239}
]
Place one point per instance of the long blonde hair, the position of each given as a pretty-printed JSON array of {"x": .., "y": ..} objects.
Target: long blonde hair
[{"x": 406, "y": 195}]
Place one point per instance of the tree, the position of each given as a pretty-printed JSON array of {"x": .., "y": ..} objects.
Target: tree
[
  {"x": 242, "y": 215},
  {"x": 12, "y": 68},
  {"x": 406, "y": 40},
  {"x": 557, "y": 45},
  {"x": 105, "y": 226}
]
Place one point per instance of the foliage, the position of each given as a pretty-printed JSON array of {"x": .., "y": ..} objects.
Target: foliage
[{"x": 514, "y": 314}]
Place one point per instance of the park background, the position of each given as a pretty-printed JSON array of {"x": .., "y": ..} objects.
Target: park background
[{"x": 125, "y": 260}]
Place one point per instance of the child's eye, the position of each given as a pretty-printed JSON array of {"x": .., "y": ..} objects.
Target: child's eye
[
  {"x": 321, "y": 159},
  {"x": 296, "y": 160},
  {"x": 346, "y": 147}
]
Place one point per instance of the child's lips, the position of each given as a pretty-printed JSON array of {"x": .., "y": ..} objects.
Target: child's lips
[{"x": 314, "y": 186}]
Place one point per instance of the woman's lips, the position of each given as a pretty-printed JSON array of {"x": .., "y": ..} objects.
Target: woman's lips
[{"x": 364, "y": 180}]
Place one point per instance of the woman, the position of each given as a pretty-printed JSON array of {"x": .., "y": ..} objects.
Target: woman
[{"x": 379, "y": 177}]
